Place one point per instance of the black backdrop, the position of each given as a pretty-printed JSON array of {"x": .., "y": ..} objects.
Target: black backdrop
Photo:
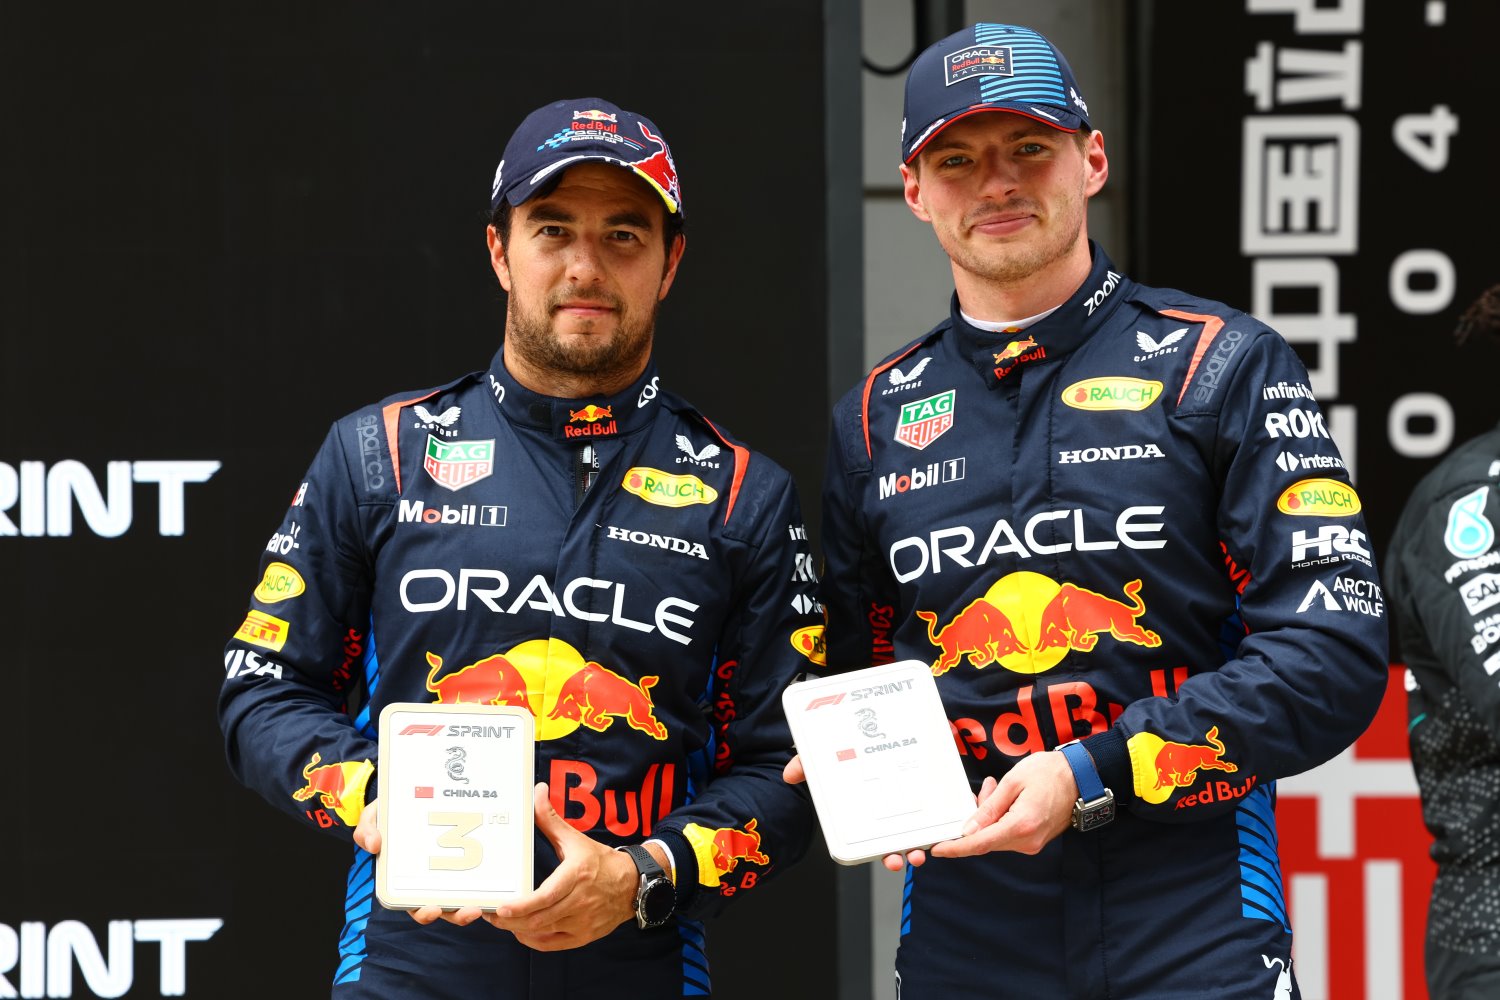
[{"x": 225, "y": 226}]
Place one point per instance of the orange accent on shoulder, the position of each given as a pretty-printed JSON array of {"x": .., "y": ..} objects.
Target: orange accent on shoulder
[
  {"x": 391, "y": 412},
  {"x": 1211, "y": 327},
  {"x": 864, "y": 406},
  {"x": 741, "y": 463}
]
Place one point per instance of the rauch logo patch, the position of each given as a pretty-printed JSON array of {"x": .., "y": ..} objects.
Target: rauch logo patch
[{"x": 664, "y": 490}]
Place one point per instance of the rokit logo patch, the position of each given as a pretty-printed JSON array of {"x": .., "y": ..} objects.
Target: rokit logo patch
[
  {"x": 43, "y": 499},
  {"x": 949, "y": 471},
  {"x": 1296, "y": 423},
  {"x": 481, "y": 515}
]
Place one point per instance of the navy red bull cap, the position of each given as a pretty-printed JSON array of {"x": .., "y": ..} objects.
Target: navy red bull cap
[
  {"x": 563, "y": 133},
  {"x": 989, "y": 67}
]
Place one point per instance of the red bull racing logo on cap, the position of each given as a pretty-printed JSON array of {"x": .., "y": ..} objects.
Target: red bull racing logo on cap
[
  {"x": 720, "y": 851},
  {"x": 923, "y": 421},
  {"x": 1027, "y": 623},
  {"x": 1161, "y": 767},
  {"x": 977, "y": 60},
  {"x": 551, "y": 680},
  {"x": 659, "y": 171}
]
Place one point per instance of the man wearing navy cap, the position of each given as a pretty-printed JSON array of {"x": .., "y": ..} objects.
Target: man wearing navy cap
[
  {"x": 562, "y": 534},
  {"x": 1112, "y": 519}
]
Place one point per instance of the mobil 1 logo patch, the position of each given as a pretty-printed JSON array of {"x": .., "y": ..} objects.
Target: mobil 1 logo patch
[
  {"x": 476, "y": 514},
  {"x": 921, "y": 477}
]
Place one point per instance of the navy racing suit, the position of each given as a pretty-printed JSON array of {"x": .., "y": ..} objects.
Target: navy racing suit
[
  {"x": 1443, "y": 571},
  {"x": 1126, "y": 524},
  {"x": 621, "y": 568}
]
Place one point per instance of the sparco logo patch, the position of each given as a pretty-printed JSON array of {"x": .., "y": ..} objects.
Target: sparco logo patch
[
  {"x": 1112, "y": 393},
  {"x": 1213, "y": 368}
]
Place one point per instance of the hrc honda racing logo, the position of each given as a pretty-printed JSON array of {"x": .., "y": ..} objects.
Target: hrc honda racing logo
[{"x": 583, "y": 598}]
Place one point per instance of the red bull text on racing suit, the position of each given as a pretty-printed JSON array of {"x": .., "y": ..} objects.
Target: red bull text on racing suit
[
  {"x": 620, "y": 567},
  {"x": 1126, "y": 524}
]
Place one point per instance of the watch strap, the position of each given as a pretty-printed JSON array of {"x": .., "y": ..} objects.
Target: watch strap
[
  {"x": 1096, "y": 804},
  {"x": 1090, "y": 786},
  {"x": 645, "y": 863}
]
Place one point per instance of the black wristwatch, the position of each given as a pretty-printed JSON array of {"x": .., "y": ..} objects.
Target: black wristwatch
[
  {"x": 657, "y": 896},
  {"x": 1096, "y": 804}
]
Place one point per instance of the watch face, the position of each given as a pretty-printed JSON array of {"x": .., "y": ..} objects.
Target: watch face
[{"x": 656, "y": 901}]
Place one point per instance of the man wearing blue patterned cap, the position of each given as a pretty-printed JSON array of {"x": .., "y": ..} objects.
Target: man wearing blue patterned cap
[{"x": 1112, "y": 519}]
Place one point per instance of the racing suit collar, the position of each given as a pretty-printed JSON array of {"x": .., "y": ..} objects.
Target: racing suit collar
[
  {"x": 1087, "y": 310},
  {"x": 575, "y": 419}
]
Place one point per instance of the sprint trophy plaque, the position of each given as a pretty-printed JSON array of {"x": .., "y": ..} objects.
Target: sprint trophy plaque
[
  {"x": 876, "y": 746},
  {"x": 455, "y": 805}
]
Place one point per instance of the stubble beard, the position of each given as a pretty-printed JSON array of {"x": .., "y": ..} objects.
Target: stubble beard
[
  {"x": 1009, "y": 264},
  {"x": 595, "y": 358}
]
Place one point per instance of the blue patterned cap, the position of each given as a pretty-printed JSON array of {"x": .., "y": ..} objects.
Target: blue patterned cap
[{"x": 989, "y": 67}]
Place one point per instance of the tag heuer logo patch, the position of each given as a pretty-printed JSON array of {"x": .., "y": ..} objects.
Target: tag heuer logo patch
[
  {"x": 456, "y": 464},
  {"x": 923, "y": 421}
]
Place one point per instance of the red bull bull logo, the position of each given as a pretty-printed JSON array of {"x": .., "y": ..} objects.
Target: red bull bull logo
[
  {"x": 1161, "y": 767},
  {"x": 596, "y": 421},
  {"x": 339, "y": 787},
  {"x": 552, "y": 680},
  {"x": 1015, "y": 349},
  {"x": 593, "y": 116},
  {"x": 1015, "y": 353},
  {"x": 659, "y": 171},
  {"x": 596, "y": 696},
  {"x": 590, "y": 414},
  {"x": 1027, "y": 623},
  {"x": 493, "y": 680},
  {"x": 720, "y": 851}
]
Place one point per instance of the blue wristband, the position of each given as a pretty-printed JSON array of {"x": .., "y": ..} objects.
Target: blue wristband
[{"x": 1096, "y": 804}]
